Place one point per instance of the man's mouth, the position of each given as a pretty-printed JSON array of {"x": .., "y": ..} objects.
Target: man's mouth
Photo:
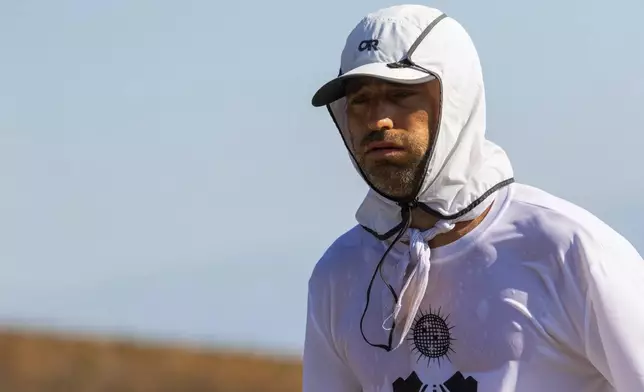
[{"x": 384, "y": 148}]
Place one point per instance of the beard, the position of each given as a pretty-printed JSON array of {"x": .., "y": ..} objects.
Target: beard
[
  {"x": 397, "y": 177},
  {"x": 395, "y": 180}
]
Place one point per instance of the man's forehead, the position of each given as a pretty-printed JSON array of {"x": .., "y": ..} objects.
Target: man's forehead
[{"x": 353, "y": 85}]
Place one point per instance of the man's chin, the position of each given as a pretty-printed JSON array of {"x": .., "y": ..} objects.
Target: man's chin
[
  {"x": 392, "y": 187},
  {"x": 395, "y": 181}
]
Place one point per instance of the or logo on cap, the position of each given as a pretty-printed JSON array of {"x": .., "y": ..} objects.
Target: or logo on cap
[{"x": 368, "y": 44}]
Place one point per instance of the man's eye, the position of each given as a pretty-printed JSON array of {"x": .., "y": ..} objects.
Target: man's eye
[{"x": 358, "y": 100}]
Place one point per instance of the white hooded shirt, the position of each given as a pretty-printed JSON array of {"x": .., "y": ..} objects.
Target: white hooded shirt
[
  {"x": 537, "y": 297},
  {"x": 541, "y": 296}
]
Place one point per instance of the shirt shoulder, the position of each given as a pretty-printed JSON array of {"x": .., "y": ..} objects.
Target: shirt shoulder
[
  {"x": 571, "y": 234},
  {"x": 341, "y": 257},
  {"x": 556, "y": 219}
]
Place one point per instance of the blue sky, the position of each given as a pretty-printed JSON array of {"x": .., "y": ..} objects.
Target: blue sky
[{"x": 163, "y": 173}]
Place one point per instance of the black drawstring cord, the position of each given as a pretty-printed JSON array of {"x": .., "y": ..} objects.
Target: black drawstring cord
[
  {"x": 405, "y": 211},
  {"x": 400, "y": 229}
]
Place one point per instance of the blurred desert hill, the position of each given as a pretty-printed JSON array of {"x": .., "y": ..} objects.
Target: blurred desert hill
[{"x": 46, "y": 362}]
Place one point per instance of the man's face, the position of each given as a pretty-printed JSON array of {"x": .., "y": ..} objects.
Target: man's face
[{"x": 390, "y": 130}]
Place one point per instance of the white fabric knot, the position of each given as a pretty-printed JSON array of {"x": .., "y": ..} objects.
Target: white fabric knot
[{"x": 413, "y": 291}]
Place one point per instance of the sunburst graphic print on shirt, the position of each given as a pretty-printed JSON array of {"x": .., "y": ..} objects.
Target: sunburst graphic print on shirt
[{"x": 431, "y": 337}]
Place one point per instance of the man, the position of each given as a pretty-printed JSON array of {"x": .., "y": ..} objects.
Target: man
[{"x": 456, "y": 278}]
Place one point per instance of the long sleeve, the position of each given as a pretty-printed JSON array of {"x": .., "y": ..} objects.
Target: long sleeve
[
  {"x": 614, "y": 325},
  {"x": 324, "y": 369}
]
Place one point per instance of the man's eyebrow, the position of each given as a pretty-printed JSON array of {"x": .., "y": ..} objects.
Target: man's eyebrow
[{"x": 353, "y": 88}]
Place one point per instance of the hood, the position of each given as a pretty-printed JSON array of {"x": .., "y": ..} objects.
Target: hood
[{"x": 462, "y": 167}]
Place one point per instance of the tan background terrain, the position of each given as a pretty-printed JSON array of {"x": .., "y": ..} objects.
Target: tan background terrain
[{"x": 47, "y": 363}]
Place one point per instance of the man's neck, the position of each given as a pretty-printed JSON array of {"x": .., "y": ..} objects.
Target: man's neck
[{"x": 423, "y": 221}]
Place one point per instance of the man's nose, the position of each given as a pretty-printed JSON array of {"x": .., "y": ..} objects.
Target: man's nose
[{"x": 379, "y": 121}]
